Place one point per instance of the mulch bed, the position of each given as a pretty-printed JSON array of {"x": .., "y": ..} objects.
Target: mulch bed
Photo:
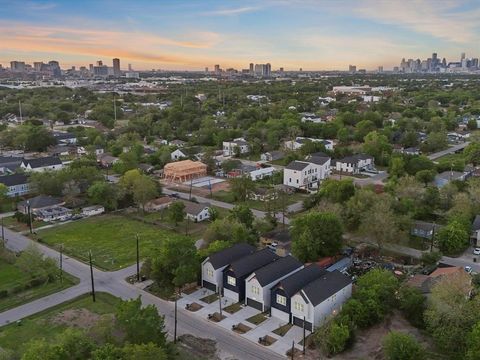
[
  {"x": 216, "y": 317},
  {"x": 241, "y": 328},
  {"x": 193, "y": 307}
]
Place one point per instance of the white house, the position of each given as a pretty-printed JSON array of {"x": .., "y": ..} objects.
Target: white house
[
  {"x": 55, "y": 213},
  {"x": 93, "y": 210},
  {"x": 229, "y": 147},
  {"x": 42, "y": 164},
  {"x": 308, "y": 173},
  {"x": 213, "y": 266},
  {"x": 196, "y": 212},
  {"x": 261, "y": 173},
  {"x": 300, "y": 141},
  {"x": 259, "y": 283},
  {"x": 177, "y": 155},
  {"x": 320, "y": 300},
  {"x": 354, "y": 164},
  {"x": 311, "y": 117},
  {"x": 17, "y": 184}
]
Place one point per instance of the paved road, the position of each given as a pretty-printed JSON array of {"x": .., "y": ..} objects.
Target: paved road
[
  {"x": 450, "y": 150},
  {"x": 258, "y": 213},
  {"x": 229, "y": 344}
]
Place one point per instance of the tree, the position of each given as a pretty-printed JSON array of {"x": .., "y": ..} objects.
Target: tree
[
  {"x": 451, "y": 313},
  {"x": 472, "y": 153},
  {"x": 243, "y": 215},
  {"x": 379, "y": 223},
  {"x": 48, "y": 182},
  {"x": 315, "y": 235},
  {"x": 75, "y": 344},
  {"x": 108, "y": 352},
  {"x": 147, "y": 351},
  {"x": 241, "y": 186},
  {"x": 338, "y": 191},
  {"x": 176, "y": 212},
  {"x": 452, "y": 238},
  {"x": 473, "y": 346},
  {"x": 32, "y": 262},
  {"x": 40, "y": 349},
  {"x": 413, "y": 304},
  {"x": 472, "y": 124},
  {"x": 141, "y": 324},
  {"x": 417, "y": 163},
  {"x": 227, "y": 229},
  {"x": 402, "y": 346},
  {"x": 363, "y": 128},
  {"x": 176, "y": 263},
  {"x": 213, "y": 213},
  {"x": 332, "y": 338},
  {"x": 104, "y": 194},
  {"x": 396, "y": 167},
  {"x": 425, "y": 176},
  {"x": 378, "y": 146},
  {"x": 144, "y": 190},
  {"x": 358, "y": 205}
]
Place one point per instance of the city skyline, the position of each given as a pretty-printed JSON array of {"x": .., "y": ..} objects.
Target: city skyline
[{"x": 313, "y": 35}]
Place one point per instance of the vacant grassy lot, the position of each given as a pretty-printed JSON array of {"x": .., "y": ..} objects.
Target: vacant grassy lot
[
  {"x": 111, "y": 239},
  {"x": 227, "y": 196},
  {"x": 47, "y": 325},
  {"x": 12, "y": 277}
]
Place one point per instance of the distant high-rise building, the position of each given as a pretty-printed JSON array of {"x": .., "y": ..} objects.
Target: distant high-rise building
[
  {"x": 217, "y": 69},
  {"x": 268, "y": 70},
  {"x": 116, "y": 67},
  {"x": 444, "y": 62},
  {"x": 55, "y": 68},
  {"x": 99, "y": 63},
  {"x": 17, "y": 66},
  {"x": 301, "y": 69},
  {"x": 263, "y": 70},
  {"x": 90, "y": 68},
  {"x": 380, "y": 69},
  {"x": 251, "y": 68},
  {"x": 100, "y": 70},
  {"x": 352, "y": 68},
  {"x": 462, "y": 56},
  {"x": 206, "y": 69},
  {"x": 281, "y": 69},
  {"x": 130, "y": 67},
  {"x": 37, "y": 66},
  {"x": 474, "y": 63}
]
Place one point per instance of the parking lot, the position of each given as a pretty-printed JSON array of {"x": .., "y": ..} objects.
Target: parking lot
[{"x": 277, "y": 343}]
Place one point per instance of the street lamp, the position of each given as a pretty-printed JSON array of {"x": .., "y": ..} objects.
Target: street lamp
[{"x": 91, "y": 275}]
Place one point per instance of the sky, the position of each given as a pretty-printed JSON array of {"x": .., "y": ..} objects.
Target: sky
[{"x": 194, "y": 34}]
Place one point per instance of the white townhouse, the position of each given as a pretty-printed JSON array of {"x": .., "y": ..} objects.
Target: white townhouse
[
  {"x": 261, "y": 173},
  {"x": 42, "y": 164},
  {"x": 229, "y": 147},
  {"x": 300, "y": 141},
  {"x": 17, "y": 184},
  {"x": 307, "y": 174},
  {"x": 213, "y": 266},
  {"x": 320, "y": 300},
  {"x": 261, "y": 281},
  {"x": 177, "y": 155},
  {"x": 354, "y": 164}
]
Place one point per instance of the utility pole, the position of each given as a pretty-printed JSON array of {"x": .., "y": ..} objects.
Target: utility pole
[
  {"x": 304, "y": 335},
  {"x": 433, "y": 237},
  {"x": 61, "y": 263},
  {"x": 29, "y": 207},
  {"x": 91, "y": 275},
  {"x": 220, "y": 300},
  {"x": 138, "y": 259},
  {"x": 191, "y": 185},
  {"x": 293, "y": 350},
  {"x": 175, "y": 323}
]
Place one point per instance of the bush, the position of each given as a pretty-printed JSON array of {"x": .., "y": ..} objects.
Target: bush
[
  {"x": 431, "y": 258},
  {"x": 413, "y": 304},
  {"x": 3, "y": 294},
  {"x": 401, "y": 346},
  {"x": 333, "y": 338}
]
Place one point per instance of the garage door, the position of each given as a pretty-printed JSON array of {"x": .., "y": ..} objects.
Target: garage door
[
  {"x": 299, "y": 322},
  {"x": 279, "y": 314},
  {"x": 255, "y": 304},
  {"x": 208, "y": 285},
  {"x": 230, "y": 294}
]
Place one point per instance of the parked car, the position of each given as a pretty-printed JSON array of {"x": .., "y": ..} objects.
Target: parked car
[
  {"x": 476, "y": 251},
  {"x": 468, "y": 269}
]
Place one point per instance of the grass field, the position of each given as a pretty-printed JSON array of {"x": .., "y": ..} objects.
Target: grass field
[
  {"x": 12, "y": 277},
  {"x": 14, "y": 336},
  {"x": 227, "y": 196},
  {"x": 111, "y": 238}
]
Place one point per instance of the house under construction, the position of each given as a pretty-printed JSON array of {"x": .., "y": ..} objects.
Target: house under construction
[{"x": 185, "y": 170}]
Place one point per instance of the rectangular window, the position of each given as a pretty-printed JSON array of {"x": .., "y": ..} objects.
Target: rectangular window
[
  {"x": 231, "y": 281},
  {"x": 255, "y": 290},
  {"x": 209, "y": 272},
  {"x": 282, "y": 300},
  {"x": 298, "y": 306}
]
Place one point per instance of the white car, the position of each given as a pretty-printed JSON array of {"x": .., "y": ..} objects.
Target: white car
[
  {"x": 468, "y": 269},
  {"x": 476, "y": 251}
]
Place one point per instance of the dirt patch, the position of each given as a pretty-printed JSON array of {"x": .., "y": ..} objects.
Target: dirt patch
[
  {"x": 266, "y": 340},
  {"x": 216, "y": 317},
  {"x": 80, "y": 318},
  {"x": 198, "y": 347},
  {"x": 193, "y": 307},
  {"x": 241, "y": 328}
]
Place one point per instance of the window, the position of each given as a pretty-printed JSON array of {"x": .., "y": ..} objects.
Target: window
[
  {"x": 282, "y": 300},
  {"x": 255, "y": 290},
  {"x": 231, "y": 281},
  {"x": 298, "y": 306},
  {"x": 209, "y": 272}
]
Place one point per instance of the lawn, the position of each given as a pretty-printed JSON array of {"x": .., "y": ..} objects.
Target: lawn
[
  {"x": 227, "y": 196},
  {"x": 12, "y": 277},
  {"x": 41, "y": 325},
  {"x": 12, "y": 224},
  {"x": 282, "y": 330},
  {"x": 111, "y": 238},
  {"x": 257, "y": 319}
]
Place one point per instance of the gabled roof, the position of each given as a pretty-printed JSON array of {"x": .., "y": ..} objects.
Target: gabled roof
[
  {"x": 42, "y": 162},
  {"x": 12, "y": 180},
  {"x": 295, "y": 282},
  {"x": 10, "y": 160},
  {"x": 281, "y": 267},
  {"x": 41, "y": 201},
  {"x": 328, "y": 284},
  {"x": 250, "y": 263},
  {"x": 476, "y": 223},
  {"x": 281, "y": 236},
  {"x": 354, "y": 159},
  {"x": 194, "y": 208},
  {"x": 225, "y": 257},
  {"x": 319, "y": 160},
  {"x": 296, "y": 165}
]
